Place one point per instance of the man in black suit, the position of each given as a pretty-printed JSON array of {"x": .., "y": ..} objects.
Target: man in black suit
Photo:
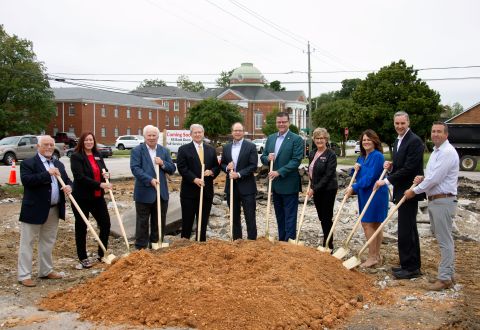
[
  {"x": 406, "y": 165},
  {"x": 239, "y": 161},
  {"x": 42, "y": 205},
  {"x": 190, "y": 158}
]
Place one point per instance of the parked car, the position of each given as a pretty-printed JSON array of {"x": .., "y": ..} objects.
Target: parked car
[
  {"x": 351, "y": 143},
  {"x": 128, "y": 141},
  {"x": 357, "y": 147},
  {"x": 260, "y": 144},
  {"x": 104, "y": 150},
  {"x": 69, "y": 138},
  {"x": 14, "y": 148}
]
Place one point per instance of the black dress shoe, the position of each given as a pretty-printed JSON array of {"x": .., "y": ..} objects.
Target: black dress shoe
[
  {"x": 406, "y": 274},
  {"x": 396, "y": 269}
]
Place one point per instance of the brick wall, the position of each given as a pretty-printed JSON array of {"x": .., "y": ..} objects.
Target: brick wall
[{"x": 471, "y": 116}]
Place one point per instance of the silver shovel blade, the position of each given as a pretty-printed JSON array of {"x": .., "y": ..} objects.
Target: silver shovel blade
[
  {"x": 340, "y": 253},
  {"x": 352, "y": 262}
]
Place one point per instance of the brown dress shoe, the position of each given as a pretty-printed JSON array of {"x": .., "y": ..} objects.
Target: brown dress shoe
[
  {"x": 53, "y": 276},
  {"x": 440, "y": 285},
  {"x": 28, "y": 283}
]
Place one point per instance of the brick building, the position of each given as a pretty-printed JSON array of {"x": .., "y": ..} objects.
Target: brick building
[
  {"x": 106, "y": 114},
  {"x": 469, "y": 116}
]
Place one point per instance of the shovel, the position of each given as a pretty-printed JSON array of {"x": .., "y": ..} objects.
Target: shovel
[
  {"x": 200, "y": 206},
  {"x": 120, "y": 223},
  {"x": 302, "y": 215},
  {"x": 343, "y": 250},
  {"x": 107, "y": 258},
  {"x": 355, "y": 260},
  {"x": 337, "y": 216},
  {"x": 269, "y": 200},
  {"x": 160, "y": 244},
  {"x": 231, "y": 209}
]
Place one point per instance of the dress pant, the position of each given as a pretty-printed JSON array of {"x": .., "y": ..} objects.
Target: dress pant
[
  {"x": 408, "y": 240},
  {"x": 286, "y": 209},
  {"x": 47, "y": 235},
  {"x": 98, "y": 208},
  {"x": 190, "y": 213},
  {"x": 248, "y": 203},
  {"x": 324, "y": 202},
  {"x": 147, "y": 216}
]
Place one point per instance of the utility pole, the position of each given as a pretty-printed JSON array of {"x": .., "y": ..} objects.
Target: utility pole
[{"x": 310, "y": 126}]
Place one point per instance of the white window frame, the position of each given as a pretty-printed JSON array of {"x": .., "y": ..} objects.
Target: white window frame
[
  {"x": 103, "y": 132},
  {"x": 176, "y": 105},
  {"x": 115, "y": 112},
  {"x": 128, "y": 131},
  {"x": 115, "y": 132},
  {"x": 103, "y": 111},
  {"x": 139, "y": 114},
  {"x": 71, "y": 110},
  {"x": 258, "y": 120},
  {"x": 128, "y": 113},
  {"x": 176, "y": 121}
]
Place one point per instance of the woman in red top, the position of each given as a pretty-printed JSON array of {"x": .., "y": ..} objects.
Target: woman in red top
[{"x": 88, "y": 189}]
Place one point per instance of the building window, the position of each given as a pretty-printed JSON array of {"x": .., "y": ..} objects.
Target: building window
[
  {"x": 103, "y": 132},
  {"x": 128, "y": 131},
  {"x": 115, "y": 132},
  {"x": 176, "y": 105},
  {"x": 71, "y": 129},
  {"x": 150, "y": 115},
  {"x": 71, "y": 110},
  {"x": 128, "y": 112},
  {"x": 176, "y": 121},
  {"x": 103, "y": 111},
  {"x": 139, "y": 114},
  {"x": 258, "y": 120},
  {"x": 139, "y": 131},
  {"x": 188, "y": 105},
  {"x": 55, "y": 131},
  {"x": 115, "y": 112},
  {"x": 166, "y": 105},
  {"x": 167, "y": 120}
]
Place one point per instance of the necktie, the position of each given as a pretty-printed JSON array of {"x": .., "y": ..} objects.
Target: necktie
[{"x": 200, "y": 154}]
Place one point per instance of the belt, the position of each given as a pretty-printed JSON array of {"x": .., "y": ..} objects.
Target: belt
[
  {"x": 433, "y": 197},
  {"x": 55, "y": 205}
]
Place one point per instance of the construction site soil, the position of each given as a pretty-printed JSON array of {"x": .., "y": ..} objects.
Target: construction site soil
[{"x": 225, "y": 285}]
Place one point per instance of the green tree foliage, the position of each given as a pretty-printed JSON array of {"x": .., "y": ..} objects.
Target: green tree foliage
[
  {"x": 26, "y": 100},
  {"x": 216, "y": 116},
  {"x": 451, "y": 111},
  {"x": 224, "y": 79},
  {"x": 294, "y": 129},
  {"x": 187, "y": 85},
  {"x": 152, "y": 83},
  {"x": 270, "y": 126},
  {"x": 275, "y": 85}
]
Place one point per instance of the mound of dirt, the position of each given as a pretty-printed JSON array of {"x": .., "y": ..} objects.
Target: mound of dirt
[{"x": 222, "y": 285}]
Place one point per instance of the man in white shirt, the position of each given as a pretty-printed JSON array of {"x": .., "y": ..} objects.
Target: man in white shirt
[{"x": 440, "y": 184}]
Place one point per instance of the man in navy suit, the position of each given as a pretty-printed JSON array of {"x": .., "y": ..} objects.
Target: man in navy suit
[
  {"x": 42, "y": 205},
  {"x": 240, "y": 161},
  {"x": 407, "y": 163},
  {"x": 143, "y": 160},
  {"x": 190, "y": 158}
]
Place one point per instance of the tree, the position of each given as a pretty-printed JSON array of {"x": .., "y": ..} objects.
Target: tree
[
  {"x": 293, "y": 129},
  {"x": 216, "y": 116},
  {"x": 275, "y": 85},
  {"x": 395, "y": 88},
  {"x": 270, "y": 122},
  {"x": 451, "y": 111},
  {"x": 152, "y": 83},
  {"x": 26, "y": 100},
  {"x": 224, "y": 79},
  {"x": 184, "y": 83}
]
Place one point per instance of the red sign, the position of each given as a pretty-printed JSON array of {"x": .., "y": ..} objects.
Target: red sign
[{"x": 346, "y": 131}]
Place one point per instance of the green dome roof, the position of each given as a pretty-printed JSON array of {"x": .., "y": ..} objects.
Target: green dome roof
[{"x": 247, "y": 75}]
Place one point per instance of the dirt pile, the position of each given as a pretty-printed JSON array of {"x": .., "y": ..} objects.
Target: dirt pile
[{"x": 220, "y": 285}]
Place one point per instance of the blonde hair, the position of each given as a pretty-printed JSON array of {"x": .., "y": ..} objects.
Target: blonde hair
[{"x": 320, "y": 131}]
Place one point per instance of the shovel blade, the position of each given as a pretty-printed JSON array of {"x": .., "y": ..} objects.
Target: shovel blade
[
  {"x": 109, "y": 259},
  {"x": 155, "y": 246},
  {"x": 323, "y": 249},
  {"x": 294, "y": 242},
  {"x": 340, "y": 253},
  {"x": 164, "y": 245},
  {"x": 352, "y": 262},
  {"x": 271, "y": 238}
]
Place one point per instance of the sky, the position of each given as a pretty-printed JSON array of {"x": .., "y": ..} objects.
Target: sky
[{"x": 128, "y": 41}]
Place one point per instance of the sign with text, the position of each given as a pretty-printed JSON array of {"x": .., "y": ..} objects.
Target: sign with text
[{"x": 177, "y": 138}]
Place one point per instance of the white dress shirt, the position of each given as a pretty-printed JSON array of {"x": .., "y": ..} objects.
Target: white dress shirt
[
  {"x": 236, "y": 146},
  {"x": 55, "y": 195}
]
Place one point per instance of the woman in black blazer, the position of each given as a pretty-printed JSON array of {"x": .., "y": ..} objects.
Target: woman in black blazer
[
  {"x": 322, "y": 171},
  {"x": 88, "y": 189}
]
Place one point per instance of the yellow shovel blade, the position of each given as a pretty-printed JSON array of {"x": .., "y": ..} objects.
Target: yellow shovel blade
[
  {"x": 340, "y": 253},
  {"x": 155, "y": 246},
  {"x": 323, "y": 249},
  {"x": 352, "y": 262},
  {"x": 109, "y": 259},
  {"x": 293, "y": 241}
]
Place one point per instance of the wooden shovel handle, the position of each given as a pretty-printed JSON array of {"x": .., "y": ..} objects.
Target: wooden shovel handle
[
  {"x": 89, "y": 225},
  {"x": 302, "y": 215},
  {"x": 115, "y": 207},
  {"x": 159, "y": 204},
  {"x": 231, "y": 209},
  {"x": 200, "y": 206},
  {"x": 269, "y": 200}
]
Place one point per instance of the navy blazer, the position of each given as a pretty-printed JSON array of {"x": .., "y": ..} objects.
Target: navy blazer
[
  {"x": 84, "y": 184},
  {"x": 38, "y": 190},
  {"x": 324, "y": 174},
  {"x": 407, "y": 164},
  {"x": 246, "y": 166},
  {"x": 190, "y": 168},
  {"x": 142, "y": 168}
]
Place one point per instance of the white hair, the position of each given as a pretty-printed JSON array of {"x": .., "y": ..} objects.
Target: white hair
[
  {"x": 44, "y": 137},
  {"x": 150, "y": 128},
  {"x": 196, "y": 126}
]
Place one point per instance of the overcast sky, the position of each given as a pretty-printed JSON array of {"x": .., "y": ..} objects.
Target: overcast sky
[{"x": 165, "y": 38}]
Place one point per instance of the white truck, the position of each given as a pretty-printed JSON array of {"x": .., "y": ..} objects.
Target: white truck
[{"x": 14, "y": 148}]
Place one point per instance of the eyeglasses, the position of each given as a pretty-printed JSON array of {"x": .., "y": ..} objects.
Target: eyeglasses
[{"x": 282, "y": 121}]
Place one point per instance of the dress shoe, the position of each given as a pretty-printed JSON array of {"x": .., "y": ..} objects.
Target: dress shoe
[
  {"x": 432, "y": 280},
  {"x": 440, "y": 285},
  {"x": 406, "y": 274},
  {"x": 53, "y": 276},
  {"x": 396, "y": 269},
  {"x": 28, "y": 283}
]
